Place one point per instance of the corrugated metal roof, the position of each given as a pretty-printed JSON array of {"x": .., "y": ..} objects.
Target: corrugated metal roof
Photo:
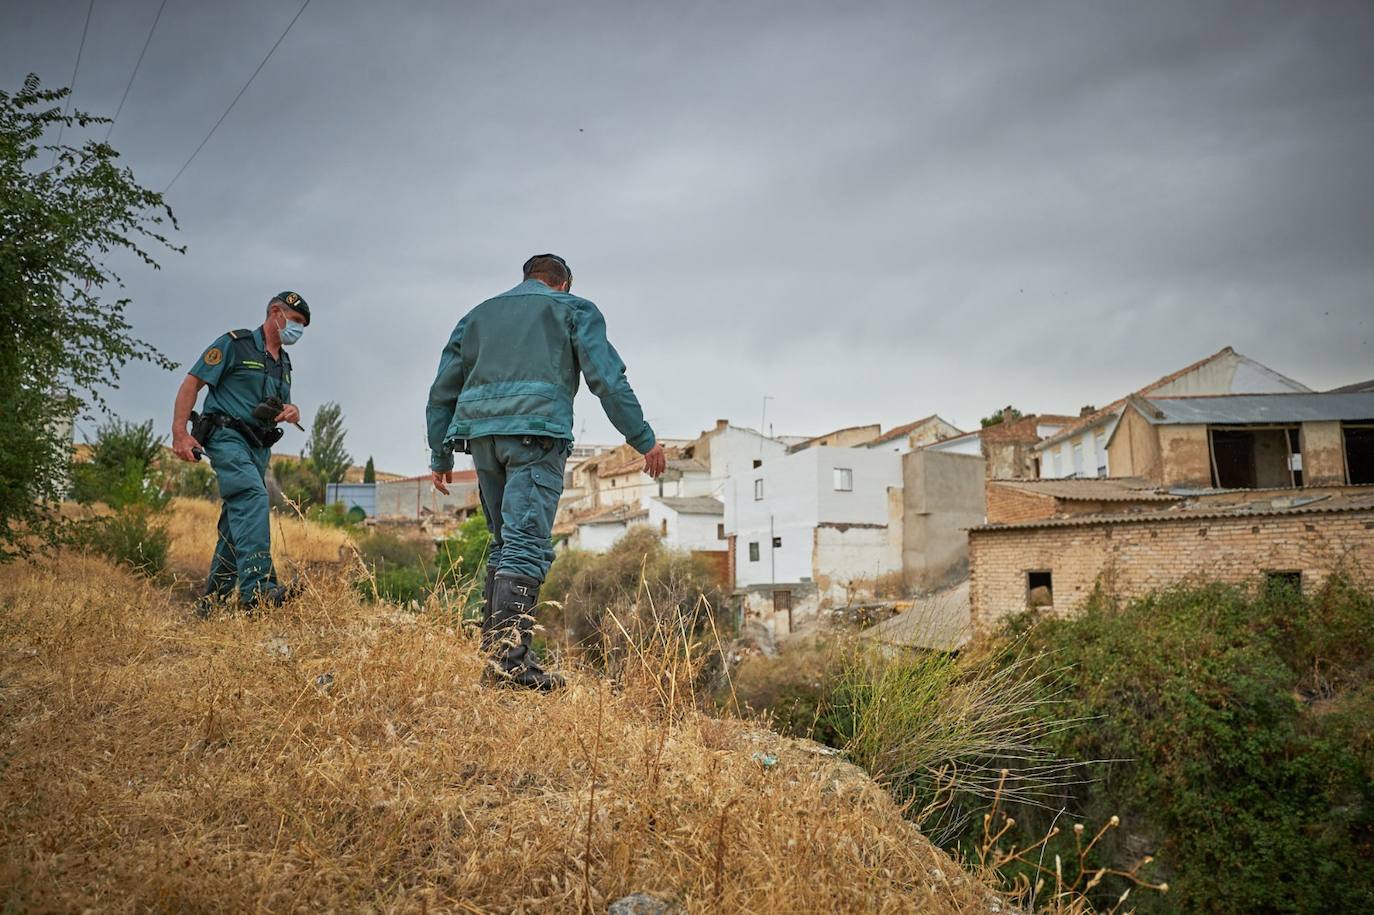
[
  {"x": 1122, "y": 489},
  {"x": 1260, "y": 408},
  {"x": 1317, "y": 506},
  {"x": 694, "y": 505}
]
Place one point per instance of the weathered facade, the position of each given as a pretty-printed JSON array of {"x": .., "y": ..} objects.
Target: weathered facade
[
  {"x": 1080, "y": 449},
  {"x": 942, "y": 496},
  {"x": 1246, "y": 441},
  {"x": 1130, "y": 554}
]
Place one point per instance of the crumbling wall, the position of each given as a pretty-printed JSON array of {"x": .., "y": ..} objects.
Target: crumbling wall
[
  {"x": 1186, "y": 455},
  {"x": 1323, "y": 454},
  {"x": 1134, "y": 449},
  {"x": 1130, "y": 559}
]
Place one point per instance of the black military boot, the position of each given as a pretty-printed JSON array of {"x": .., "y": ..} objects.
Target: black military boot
[
  {"x": 511, "y": 630},
  {"x": 487, "y": 590},
  {"x": 273, "y": 595}
]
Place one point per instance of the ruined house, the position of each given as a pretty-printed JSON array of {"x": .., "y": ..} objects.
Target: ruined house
[
  {"x": 1236, "y": 488},
  {"x": 1080, "y": 448}
]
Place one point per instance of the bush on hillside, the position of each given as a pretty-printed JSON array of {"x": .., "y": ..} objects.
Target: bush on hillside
[
  {"x": 1242, "y": 724},
  {"x": 123, "y": 469},
  {"x": 629, "y": 595},
  {"x": 136, "y": 537}
]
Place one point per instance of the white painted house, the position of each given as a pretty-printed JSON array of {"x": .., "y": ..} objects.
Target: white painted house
[
  {"x": 815, "y": 527},
  {"x": 1080, "y": 449},
  {"x": 691, "y": 523}
]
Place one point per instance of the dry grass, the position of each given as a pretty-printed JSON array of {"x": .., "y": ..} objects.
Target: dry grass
[
  {"x": 341, "y": 756},
  {"x": 295, "y": 541}
]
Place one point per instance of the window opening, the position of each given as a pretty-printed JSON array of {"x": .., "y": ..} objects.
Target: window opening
[
  {"x": 1279, "y": 584},
  {"x": 753, "y": 551},
  {"x": 758, "y": 490},
  {"x": 1039, "y": 589},
  {"x": 844, "y": 479}
]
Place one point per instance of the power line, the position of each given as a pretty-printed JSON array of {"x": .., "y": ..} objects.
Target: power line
[
  {"x": 236, "y": 98},
  {"x": 147, "y": 41},
  {"x": 71, "y": 86}
]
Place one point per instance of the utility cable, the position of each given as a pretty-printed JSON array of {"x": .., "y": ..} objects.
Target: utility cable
[
  {"x": 71, "y": 86},
  {"x": 273, "y": 49},
  {"x": 147, "y": 41}
]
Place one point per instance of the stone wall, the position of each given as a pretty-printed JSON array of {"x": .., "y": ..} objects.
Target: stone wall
[{"x": 1132, "y": 558}]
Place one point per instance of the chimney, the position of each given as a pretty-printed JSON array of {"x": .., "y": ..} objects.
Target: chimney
[
  {"x": 721, "y": 424},
  {"x": 1084, "y": 411}
]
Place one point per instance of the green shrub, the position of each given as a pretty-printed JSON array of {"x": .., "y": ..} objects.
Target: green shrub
[
  {"x": 123, "y": 469},
  {"x": 1241, "y": 725},
  {"x": 387, "y": 550},
  {"x": 636, "y": 587},
  {"x": 134, "y": 537}
]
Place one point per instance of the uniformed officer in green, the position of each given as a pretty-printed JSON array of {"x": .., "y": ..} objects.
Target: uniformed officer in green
[
  {"x": 249, "y": 376},
  {"x": 504, "y": 393}
]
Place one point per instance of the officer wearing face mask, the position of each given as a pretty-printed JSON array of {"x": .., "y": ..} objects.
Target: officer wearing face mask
[{"x": 249, "y": 376}]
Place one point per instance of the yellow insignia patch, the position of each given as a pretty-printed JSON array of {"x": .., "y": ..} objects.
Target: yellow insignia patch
[
  {"x": 292, "y": 299},
  {"x": 213, "y": 356}
]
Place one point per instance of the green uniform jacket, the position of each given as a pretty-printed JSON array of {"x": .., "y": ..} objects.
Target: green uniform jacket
[{"x": 511, "y": 367}]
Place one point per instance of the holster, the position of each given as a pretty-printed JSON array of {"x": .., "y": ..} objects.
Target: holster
[{"x": 256, "y": 436}]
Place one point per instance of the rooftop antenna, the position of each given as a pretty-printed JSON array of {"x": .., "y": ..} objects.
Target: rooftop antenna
[{"x": 763, "y": 419}]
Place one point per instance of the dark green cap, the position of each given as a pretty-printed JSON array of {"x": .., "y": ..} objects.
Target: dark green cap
[{"x": 294, "y": 301}]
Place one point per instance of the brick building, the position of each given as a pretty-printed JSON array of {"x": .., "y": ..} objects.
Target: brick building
[{"x": 1298, "y": 536}]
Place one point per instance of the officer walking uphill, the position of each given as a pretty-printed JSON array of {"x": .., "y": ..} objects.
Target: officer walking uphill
[
  {"x": 504, "y": 394},
  {"x": 249, "y": 376}
]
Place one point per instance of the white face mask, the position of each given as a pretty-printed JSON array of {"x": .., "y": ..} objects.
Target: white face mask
[{"x": 291, "y": 333}]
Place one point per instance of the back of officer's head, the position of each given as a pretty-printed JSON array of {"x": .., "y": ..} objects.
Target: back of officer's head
[{"x": 549, "y": 269}]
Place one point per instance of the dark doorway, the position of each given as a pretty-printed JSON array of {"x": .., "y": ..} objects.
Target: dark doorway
[
  {"x": 1359, "y": 453},
  {"x": 1254, "y": 458}
]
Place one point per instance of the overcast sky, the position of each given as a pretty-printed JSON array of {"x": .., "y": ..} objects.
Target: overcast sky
[{"x": 868, "y": 212}]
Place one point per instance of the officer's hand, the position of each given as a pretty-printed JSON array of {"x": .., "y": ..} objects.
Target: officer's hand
[
  {"x": 184, "y": 446},
  {"x": 289, "y": 414},
  {"x": 439, "y": 478},
  {"x": 655, "y": 462}
]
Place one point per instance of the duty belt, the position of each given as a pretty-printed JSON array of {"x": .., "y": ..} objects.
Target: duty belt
[{"x": 256, "y": 436}]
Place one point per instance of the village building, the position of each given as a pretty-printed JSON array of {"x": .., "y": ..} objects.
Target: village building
[
  {"x": 819, "y": 526},
  {"x": 1236, "y": 488},
  {"x": 409, "y": 498},
  {"x": 1080, "y": 449},
  {"x": 907, "y": 438}
]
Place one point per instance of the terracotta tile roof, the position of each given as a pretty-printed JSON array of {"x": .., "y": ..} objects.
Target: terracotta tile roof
[
  {"x": 903, "y": 430},
  {"x": 1120, "y": 489},
  {"x": 1185, "y": 512},
  {"x": 615, "y": 513},
  {"x": 1024, "y": 430},
  {"x": 816, "y": 438}
]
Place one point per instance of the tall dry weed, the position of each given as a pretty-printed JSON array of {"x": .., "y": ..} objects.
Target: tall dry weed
[{"x": 340, "y": 755}]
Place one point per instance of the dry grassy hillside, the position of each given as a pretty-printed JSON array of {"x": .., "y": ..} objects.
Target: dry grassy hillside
[
  {"x": 295, "y": 541},
  {"x": 342, "y": 756}
]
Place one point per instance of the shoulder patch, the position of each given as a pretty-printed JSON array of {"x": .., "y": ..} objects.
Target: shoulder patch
[{"x": 213, "y": 356}]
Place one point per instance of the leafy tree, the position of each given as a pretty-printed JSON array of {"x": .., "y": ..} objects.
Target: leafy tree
[
  {"x": 370, "y": 471},
  {"x": 300, "y": 481},
  {"x": 326, "y": 446},
  {"x": 1004, "y": 415},
  {"x": 60, "y": 340},
  {"x": 123, "y": 468}
]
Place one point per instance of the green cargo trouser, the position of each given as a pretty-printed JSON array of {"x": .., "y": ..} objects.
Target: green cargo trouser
[
  {"x": 519, "y": 481},
  {"x": 243, "y": 555}
]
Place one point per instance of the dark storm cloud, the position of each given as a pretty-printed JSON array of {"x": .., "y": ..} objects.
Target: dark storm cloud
[{"x": 870, "y": 214}]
